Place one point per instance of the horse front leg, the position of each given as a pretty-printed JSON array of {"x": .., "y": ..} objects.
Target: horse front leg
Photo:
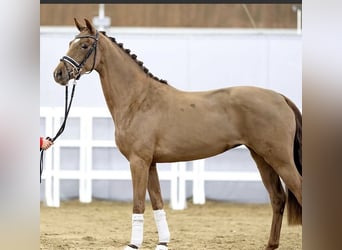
[
  {"x": 157, "y": 206},
  {"x": 139, "y": 172}
]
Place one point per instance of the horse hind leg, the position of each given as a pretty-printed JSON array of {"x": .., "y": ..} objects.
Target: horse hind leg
[
  {"x": 157, "y": 206},
  {"x": 277, "y": 195},
  {"x": 283, "y": 164}
]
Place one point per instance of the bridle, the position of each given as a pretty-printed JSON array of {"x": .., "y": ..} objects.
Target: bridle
[{"x": 78, "y": 66}]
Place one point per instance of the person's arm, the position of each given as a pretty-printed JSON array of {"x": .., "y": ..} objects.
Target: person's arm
[{"x": 40, "y": 142}]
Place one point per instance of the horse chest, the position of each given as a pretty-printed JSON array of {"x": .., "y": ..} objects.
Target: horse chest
[
  {"x": 132, "y": 142},
  {"x": 123, "y": 141}
]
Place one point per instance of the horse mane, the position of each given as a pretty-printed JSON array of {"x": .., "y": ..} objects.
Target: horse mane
[{"x": 134, "y": 57}]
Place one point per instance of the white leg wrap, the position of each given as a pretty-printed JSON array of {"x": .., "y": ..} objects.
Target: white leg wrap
[
  {"x": 163, "y": 229},
  {"x": 137, "y": 229}
]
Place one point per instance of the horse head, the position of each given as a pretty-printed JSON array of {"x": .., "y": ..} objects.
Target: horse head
[{"x": 81, "y": 57}]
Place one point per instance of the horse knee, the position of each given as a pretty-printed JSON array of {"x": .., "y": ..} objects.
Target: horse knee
[
  {"x": 157, "y": 205},
  {"x": 139, "y": 207}
]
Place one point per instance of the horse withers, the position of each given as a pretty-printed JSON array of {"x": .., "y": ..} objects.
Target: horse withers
[{"x": 155, "y": 122}]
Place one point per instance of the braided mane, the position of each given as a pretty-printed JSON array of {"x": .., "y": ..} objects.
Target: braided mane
[{"x": 134, "y": 57}]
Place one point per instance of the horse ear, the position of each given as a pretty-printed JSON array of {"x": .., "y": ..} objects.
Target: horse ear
[
  {"x": 90, "y": 27},
  {"x": 78, "y": 25}
]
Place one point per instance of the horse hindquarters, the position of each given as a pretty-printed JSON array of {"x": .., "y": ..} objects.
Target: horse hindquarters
[
  {"x": 282, "y": 158},
  {"x": 281, "y": 149}
]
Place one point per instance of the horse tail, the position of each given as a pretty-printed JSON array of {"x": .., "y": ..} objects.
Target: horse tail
[{"x": 294, "y": 209}]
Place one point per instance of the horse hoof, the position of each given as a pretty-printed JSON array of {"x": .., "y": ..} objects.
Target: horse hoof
[
  {"x": 130, "y": 247},
  {"x": 161, "y": 247},
  {"x": 272, "y": 247}
]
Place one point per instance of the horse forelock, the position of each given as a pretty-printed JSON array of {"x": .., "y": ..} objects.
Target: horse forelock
[{"x": 134, "y": 57}]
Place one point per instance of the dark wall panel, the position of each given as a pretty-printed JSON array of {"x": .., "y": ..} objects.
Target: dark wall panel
[{"x": 175, "y": 15}]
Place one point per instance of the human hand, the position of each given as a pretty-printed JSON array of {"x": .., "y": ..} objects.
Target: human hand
[{"x": 46, "y": 144}]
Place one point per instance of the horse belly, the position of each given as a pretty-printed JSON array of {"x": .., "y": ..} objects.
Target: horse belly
[{"x": 193, "y": 144}]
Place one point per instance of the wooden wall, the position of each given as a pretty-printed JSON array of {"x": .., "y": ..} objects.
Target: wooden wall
[{"x": 175, "y": 15}]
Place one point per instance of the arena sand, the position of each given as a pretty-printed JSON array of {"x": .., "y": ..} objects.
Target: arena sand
[{"x": 215, "y": 225}]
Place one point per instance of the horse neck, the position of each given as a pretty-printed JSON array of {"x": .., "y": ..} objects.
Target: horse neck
[{"x": 123, "y": 81}]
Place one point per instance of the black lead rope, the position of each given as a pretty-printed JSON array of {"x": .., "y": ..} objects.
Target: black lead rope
[{"x": 61, "y": 129}]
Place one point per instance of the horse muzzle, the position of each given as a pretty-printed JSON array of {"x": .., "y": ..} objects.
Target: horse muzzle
[{"x": 61, "y": 74}]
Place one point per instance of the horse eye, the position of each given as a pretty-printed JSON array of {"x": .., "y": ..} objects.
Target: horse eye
[{"x": 84, "y": 46}]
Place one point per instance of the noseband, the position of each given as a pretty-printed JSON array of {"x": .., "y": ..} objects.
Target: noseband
[{"x": 78, "y": 66}]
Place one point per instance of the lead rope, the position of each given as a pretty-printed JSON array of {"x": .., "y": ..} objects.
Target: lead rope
[{"x": 61, "y": 129}]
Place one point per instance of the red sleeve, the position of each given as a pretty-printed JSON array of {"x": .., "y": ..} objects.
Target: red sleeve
[{"x": 40, "y": 142}]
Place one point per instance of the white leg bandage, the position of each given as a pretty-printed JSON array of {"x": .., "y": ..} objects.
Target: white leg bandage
[
  {"x": 163, "y": 229},
  {"x": 137, "y": 229}
]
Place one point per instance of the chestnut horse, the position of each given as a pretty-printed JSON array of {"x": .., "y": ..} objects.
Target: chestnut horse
[{"x": 155, "y": 122}]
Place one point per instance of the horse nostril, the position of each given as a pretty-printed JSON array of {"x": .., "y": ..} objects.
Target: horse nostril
[{"x": 57, "y": 73}]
